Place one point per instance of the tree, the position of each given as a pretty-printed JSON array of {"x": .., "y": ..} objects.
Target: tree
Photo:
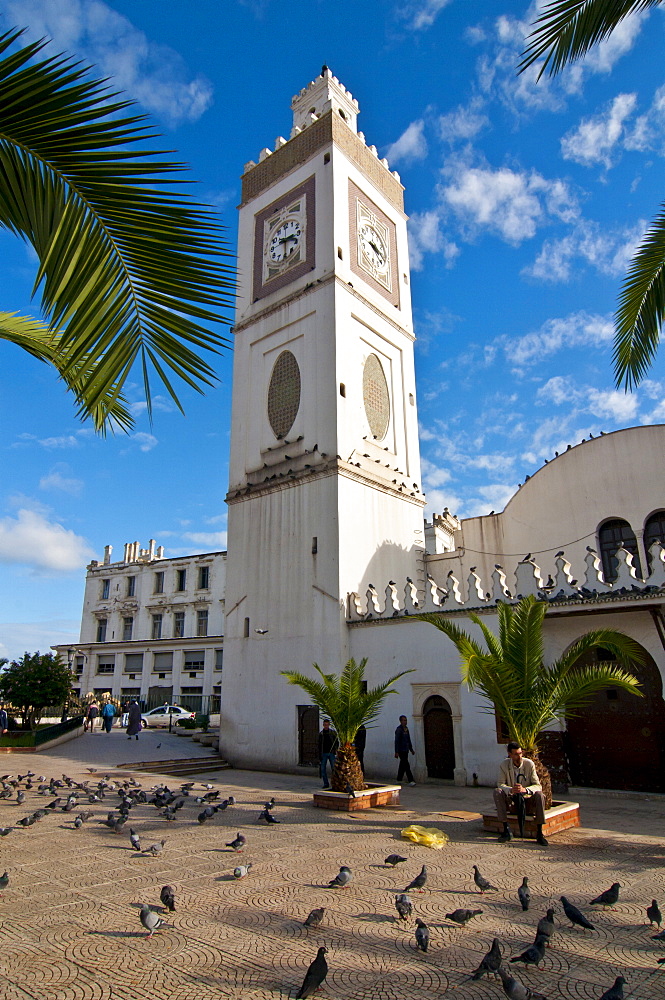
[
  {"x": 564, "y": 33},
  {"x": 33, "y": 683},
  {"x": 527, "y": 694},
  {"x": 128, "y": 269},
  {"x": 348, "y": 706}
]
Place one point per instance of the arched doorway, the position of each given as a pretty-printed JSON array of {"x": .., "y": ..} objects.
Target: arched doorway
[
  {"x": 439, "y": 743},
  {"x": 618, "y": 740}
]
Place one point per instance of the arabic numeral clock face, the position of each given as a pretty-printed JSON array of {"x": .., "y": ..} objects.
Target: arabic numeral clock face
[{"x": 285, "y": 243}]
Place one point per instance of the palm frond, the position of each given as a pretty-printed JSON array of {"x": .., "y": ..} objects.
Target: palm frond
[
  {"x": 567, "y": 29},
  {"x": 576, "y": 688},
  {"x": 130, "y": 270},
  {"x": 641, "y": 308}
]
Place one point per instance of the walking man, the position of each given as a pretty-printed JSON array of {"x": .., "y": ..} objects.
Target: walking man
[
  {"x": 4, "y": 722},
  {"x": 328, "y": 744},
  {"x": 403, "y": 747},
  {"x": 108, "y": 715}
]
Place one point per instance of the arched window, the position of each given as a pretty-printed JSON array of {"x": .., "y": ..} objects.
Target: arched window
[
  {"x": 611, "y": 536},
  {"x": 654, "y": 531}
]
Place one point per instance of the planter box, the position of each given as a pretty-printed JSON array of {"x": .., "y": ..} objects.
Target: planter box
[
  {"x": 561, "y": 816},
  {"x": 372, "y": 795}
]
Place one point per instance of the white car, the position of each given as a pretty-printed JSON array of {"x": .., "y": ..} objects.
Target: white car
[{"x": 160, "y": 716}]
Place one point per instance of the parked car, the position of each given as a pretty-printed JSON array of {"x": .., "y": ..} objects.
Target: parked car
[{"x": 160, "y": 716}]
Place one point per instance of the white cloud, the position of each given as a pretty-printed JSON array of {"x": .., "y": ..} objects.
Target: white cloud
[
  {"x": 463, "y": 122},
  {"x": 145, "y": 441},
  {"x": 603, "y": 57},
  {"x": 60, "y": 480},
  {"x": 425, "y": 236},
  {"x": 433, "y": 475},
  {"x": 423, "y": 13},
  {"x": 492, "y": 498},
  {"x": 30, "y": 539},
  {"x": 577, "y": 330},
  {"x": 410, "y": 146},
  {"x": 615, "y": 405},
  {"x": 508, "y": 202},
  {"x": 19, "y": 637},
  {"x": 595, "y": 139},
  {"x": 155, "y": 75},
  {"x": 648, "y": 131},
  {"x": 208, "y": 539},
  {"x": 160, "y": 404},
  {"x": 609, "y": 252}
]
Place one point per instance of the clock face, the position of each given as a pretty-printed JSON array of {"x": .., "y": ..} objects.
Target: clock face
[
  {"x": 373, "y": 247},
  {"x": 285, "y": 241}
]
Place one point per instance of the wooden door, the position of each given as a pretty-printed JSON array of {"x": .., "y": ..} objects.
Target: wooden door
[
  {"x": 308, "y": 736},
  {"x": 439, "y": 742}
]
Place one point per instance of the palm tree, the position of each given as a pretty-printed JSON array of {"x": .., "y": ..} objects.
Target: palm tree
[
  {"x": 129, "y": 271},
  {"x": 527, "y": 694},
  {"x": 343, "y": 698},
  {"x": 564, "y": 33}
]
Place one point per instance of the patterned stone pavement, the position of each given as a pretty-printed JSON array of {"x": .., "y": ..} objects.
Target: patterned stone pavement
[{"x": 69, "y": 921}]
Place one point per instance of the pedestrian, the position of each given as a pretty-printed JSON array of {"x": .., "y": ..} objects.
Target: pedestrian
[
  {"x": 108, "y": 715},
  {"x": 359, "y": 744},
  {"x": 328, "y": 744},
  {"x": 124, "y": 710},
  {"x": 403, "y": 747},
  {"x": 134, "y": 723},
  {"x": 4, "y": 720},
  {"x": 93, "y": 712}
]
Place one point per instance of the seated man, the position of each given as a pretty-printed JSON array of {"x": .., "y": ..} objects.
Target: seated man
[{"x": 517, "y": 776}]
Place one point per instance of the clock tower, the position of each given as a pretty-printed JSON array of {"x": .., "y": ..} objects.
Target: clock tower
[{"x": 324, "y": 492}]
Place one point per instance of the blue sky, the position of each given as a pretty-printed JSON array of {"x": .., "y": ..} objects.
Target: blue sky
[{"x": 526, "y": 201}]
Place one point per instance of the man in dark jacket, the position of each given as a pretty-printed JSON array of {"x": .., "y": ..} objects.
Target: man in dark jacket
[
  {"x": 328, "y": 744},
  {"x": 403, "y": 747}
]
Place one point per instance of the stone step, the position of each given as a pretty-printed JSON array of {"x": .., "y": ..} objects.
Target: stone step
[{"x": 184, "y": 766}]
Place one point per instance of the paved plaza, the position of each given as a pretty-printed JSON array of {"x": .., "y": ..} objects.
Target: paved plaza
[{"x": 69, "y": 919}]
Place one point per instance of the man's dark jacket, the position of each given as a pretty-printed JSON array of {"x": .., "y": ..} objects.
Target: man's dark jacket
[
  {"x": 402, "y": 740},
  {"x": 328, "y": 742}
]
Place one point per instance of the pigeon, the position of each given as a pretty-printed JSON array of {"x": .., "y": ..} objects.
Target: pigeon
[
  {"x": 394, "y": 859},
  {"x": 238, "y": 843},
  {"x": 222, "y": 806},
  {"x": 491, "y": 961},
  {"x": 20, "y": 798},
  {"x": 615, "y": 992},
  {"x": 4, "y": 830},
  {"x": 4, "y": 881},
  {"x": 206, "y": 814},
  {"x": 419, "y": 881},
  {"x": 150, "y": 920},
  {"x": 462, "y": 916},
  {"x": 78, "y": 823},
  {"x": 349, "y": 790},
  {"x": 27, "y": 821},
  {"x": 269, "y": 804},
  {"x": 266, "y": 817},
  {"x": 654, "y": 914},
  {"x": 404, "y": 906},
  {"x": 609, "y": 897},
  {"x": 535, "y": 953},
  {"x": 422, "y": 934},
  {"x": 231, "y": 801},
  {"x": 154, "y": 849},
  {"x": 54, "y": 804},
  {"x": 342, "y": 878},
  {"x": 658, "y": 937},
  {"x": 242, "y": 870},
  {"x": 315, "y": 917},
  {"x": 167, "y": 897},
  {"x": 314, "y": 976},
  {"x": 523, "y": 894},
  {"x": 575, "y": 916},
  {"x": 483, "y": 884},
  {"x": 515, "y": 990},
  {"x": 546, "y": 925}
]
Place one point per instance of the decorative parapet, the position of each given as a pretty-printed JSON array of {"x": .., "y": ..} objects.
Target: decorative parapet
[{"x": 528, "y": 579}]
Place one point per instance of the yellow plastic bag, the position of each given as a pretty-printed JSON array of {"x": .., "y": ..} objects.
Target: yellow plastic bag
[{"x": 428, "y": 836}]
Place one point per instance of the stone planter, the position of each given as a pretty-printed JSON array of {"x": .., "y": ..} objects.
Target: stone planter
[
  {"x": 373, "y": 795},
  {"x": 561, "y": 816}
]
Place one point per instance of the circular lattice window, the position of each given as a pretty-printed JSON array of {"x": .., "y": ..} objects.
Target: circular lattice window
[
  {"x": 284, "y": 394},
  {"x": 376, "y": 397}
]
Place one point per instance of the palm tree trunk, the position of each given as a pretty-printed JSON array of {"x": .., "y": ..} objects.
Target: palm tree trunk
[
  {"x": 543, "y": 774},
  {"x": 347, "y": 770}
]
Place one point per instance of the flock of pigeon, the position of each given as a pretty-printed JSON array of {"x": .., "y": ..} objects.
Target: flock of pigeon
[{"x": 68, "y": 796}]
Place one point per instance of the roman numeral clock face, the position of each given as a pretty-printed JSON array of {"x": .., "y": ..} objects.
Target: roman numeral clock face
[
  {"x": 373, "y": 246},
  {"x": 284, "y": 239}
]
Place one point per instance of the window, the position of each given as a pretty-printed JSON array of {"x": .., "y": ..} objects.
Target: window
[
  {"x": 202, "y": 623},
  {"x": 131, "y": 586},
  {"x": 106, "y": 664},
  {"x": 611, "y": 536},
  {"x": 159, "y": 583},
  {"x": 194, "y": 659},
  {"x": 106, "y": 586},
  {"x": 156, "y": 626},
  {"x": 654, "y": 531},
  {"x": 181, "y": 579},
  {"x": 204, "y": 577},
  {"x": 179, "y": 625},
  {"x": 78, "y": 664},
  {"x": 163, "y": 662},
  {"x": 219, "y": 658},
  {"x": 133, "y": 663},
  {"x": 127, "y": 626},
  {"x": 101, "y": 629},
  {"x": 130, "y": 693}
]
